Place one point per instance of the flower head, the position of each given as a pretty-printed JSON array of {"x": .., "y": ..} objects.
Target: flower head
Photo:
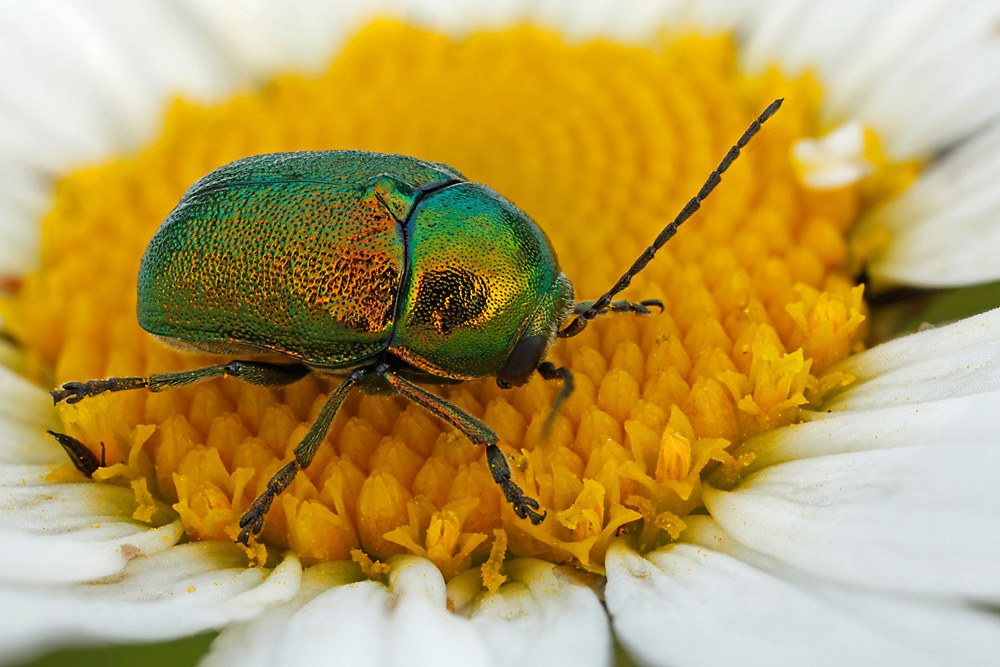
[{"x": 692, "y": 437}]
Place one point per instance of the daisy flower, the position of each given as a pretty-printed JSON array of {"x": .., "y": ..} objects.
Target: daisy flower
[{"x": 735, "y": 478}]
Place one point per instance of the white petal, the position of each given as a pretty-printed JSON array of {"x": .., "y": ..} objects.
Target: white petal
[
  {"x": 712, "y": 17},
  {"x": 360, "y": 623},
  {"x": 944, "y": 86},
  {"x": 86, "y": 79},
  {"x": 25, "y": 474},
  {"x": 920, "y": 519},
  {"x": 260, "y": 638},
  {"x": 11, "y": 356},
  {"x": 790, "y": 32},
  {"x": 886, "y": 507},
  {"x": 23, "y": 199},
  {"x": 60, "y": 533},
  {"x": 955, "y": 360},
  {"x": 539, "y": 619},
  {"x": 425, "y": 632},
  {"x": 44, "y": 68},
  {"x": 174, "y": 593},
  {"x": 956, "y": 420},
  {"x": 923, "y": 74},
  {"x": 586, "y": 20},
  {"x": 542, "y": 617},
  {"x": 27, "y": 444},
  {"x": 833, "y": 161},
  {"x": 943, "y": 227},
  {"x": 685, "y": 605},
  {"x": 23, "y": 402},
  {"x": 25, "y": 413},
  {"x": 262, "y": 38}
]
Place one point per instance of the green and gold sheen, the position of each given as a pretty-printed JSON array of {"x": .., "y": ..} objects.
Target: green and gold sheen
[{"x": 306, "y": 254}]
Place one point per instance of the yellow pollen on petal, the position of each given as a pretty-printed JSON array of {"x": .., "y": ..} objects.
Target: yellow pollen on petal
[
  {"x": 373, "y": 569},
  {"x": 602, "y": 145}
]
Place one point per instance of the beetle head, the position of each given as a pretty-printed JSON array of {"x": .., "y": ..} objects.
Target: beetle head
[{"x": 533, "y": 346}]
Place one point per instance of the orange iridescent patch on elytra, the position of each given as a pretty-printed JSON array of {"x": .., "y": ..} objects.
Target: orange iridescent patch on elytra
[{"x": 601, "y": 145}]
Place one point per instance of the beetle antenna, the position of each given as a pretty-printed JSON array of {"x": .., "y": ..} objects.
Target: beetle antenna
[{"x": 580, "y": 323}]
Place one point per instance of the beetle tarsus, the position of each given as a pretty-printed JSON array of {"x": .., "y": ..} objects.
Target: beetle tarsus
[
  {"x": 637, "y": 307},
  {"x": 71, "y": 392},
  {"x": 622, "y": 306},
  {"x": 252, "y": 521},
  {"x": 74, "y": 392},
  {"x": 524, "y": 506}
]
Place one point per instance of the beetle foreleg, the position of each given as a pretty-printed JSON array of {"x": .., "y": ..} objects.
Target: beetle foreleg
[
  {"x": 638, "y": 308},
  {"x": 254, "y": 372},
  {"x": 476, "y": 431},
  {"x": 252, "y": 520},
  {"x": 549, "y": 371}
]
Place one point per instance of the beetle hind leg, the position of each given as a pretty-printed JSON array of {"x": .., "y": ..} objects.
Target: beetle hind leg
[{"x": 525, "y": 507}]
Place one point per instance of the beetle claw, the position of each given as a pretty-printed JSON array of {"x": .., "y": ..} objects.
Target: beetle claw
[
  {"x": 71, "y": 392},
  {"x": 656, "y": 303},
  {"x": 252, "y": 521},
  {"x": 529, "y": 503},
  {"x": 525, "y": 506},
  {"x": 244, "y": 537},
  {"x": 526, "y": 510}
]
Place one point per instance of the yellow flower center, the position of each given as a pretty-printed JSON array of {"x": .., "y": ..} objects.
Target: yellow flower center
[{"x": 601, "y": 145}]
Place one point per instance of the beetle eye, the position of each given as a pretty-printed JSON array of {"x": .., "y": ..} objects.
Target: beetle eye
[{"x": 523, "y": 360}]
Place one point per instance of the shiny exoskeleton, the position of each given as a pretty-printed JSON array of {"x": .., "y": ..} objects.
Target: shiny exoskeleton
[{"x": 385, "y": 269}]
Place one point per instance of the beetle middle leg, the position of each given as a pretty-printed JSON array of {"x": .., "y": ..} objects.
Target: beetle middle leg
[
  {"x": 254, "y": 372},
  {"x": 252, "y": 520},
  {"x": 479, "y": 433}
]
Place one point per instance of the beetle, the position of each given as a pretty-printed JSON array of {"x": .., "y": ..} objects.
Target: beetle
[{"x": 383, "y": 269}]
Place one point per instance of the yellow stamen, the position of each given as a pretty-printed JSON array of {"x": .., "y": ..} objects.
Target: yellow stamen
[
  {"x": 601, "y": 144},
  {"x": 492, "y": 569}
]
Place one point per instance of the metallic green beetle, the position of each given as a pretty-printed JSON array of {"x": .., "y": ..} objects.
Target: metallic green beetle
[{"x": 385, "y": 269}]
